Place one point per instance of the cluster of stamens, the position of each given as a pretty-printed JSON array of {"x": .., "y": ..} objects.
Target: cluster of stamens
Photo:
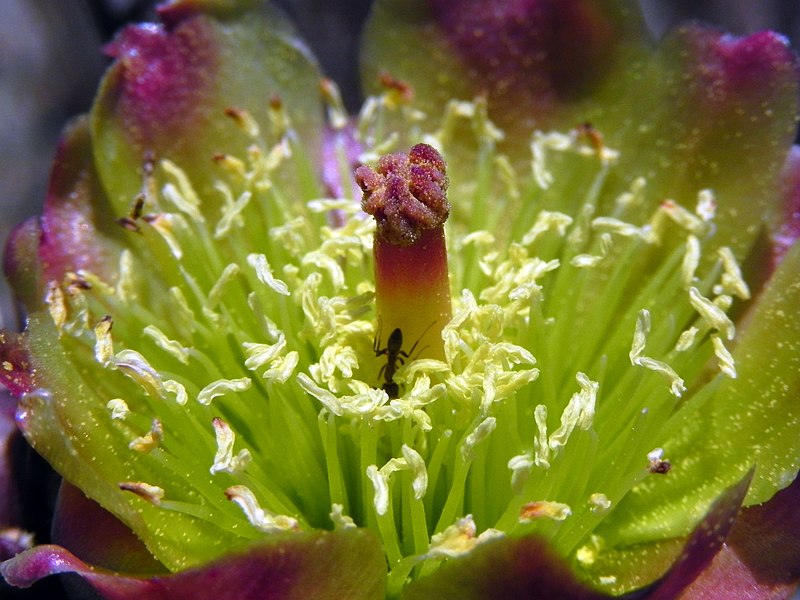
[{"x": 267, "y": 390}]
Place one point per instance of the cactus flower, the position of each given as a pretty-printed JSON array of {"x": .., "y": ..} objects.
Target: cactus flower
[{"x": 525, "y": 326}]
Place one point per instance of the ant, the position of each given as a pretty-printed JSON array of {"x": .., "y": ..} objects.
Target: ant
[{"x": 395, "y": 356}]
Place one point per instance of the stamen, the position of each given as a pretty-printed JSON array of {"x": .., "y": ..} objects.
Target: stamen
[
  {"x": 166, "y": 224},
  {"x": 732, "y": 281},
  {"x": 684, "y": 218},
  {"x": 183, "y": 195},
  {"x": 686, "y": 339},
  {"x": 244, "y": 121},
  {"x": 691, "y": 259},
  {"x": 579, "y": 412},
  {"x": 541, "y": 445},
  {"x": 259, "y": 518},
  {"x": 380, "y": 485},
  {"x": 174, "y": 387},
  {"x": 340, "y": 520},
  {"x": 416, "y": 463},
  {"x": 547, "y": 221},
  {"x": 583, "y": 261},
  {"x": 171, "y": 347},
  {"x": 224, "y": 460},
  {"x": 126, "y": 288},
  {"x": 152, "y": 493},
  {"x": 726, "y": 362},
  {"x": 104, "y": 346},
  {"x": 599, "y": 503},
  {"x": 222, "y": 387},
  {"x": 520, "y": 467},
  {"x": 706, "y": 205},
  {"x": 135, "y": 366},
  {"x": 150, "y": 440},
  {"x": 544, "y": 509},
  {"x": 264, "y": 273},
  {"x": 337, "y": 114},
  {"x": 635, "y": 196},
  {"x": 459, "y": 539},
  {"x": 658, "y": 464},
  {"x": 229, "y": 273},
  {"x": 712, "y": 314},
  {"x": 231, "y": 213},
  {"x": 259, "y": 355},
  {"x": 478, "y": 435},
  {"x": 618, "y": 227},
  {"x": 56, "y": 305},
  {"x": 119, "y": 409},
  {"x": 637, "y": 357}
]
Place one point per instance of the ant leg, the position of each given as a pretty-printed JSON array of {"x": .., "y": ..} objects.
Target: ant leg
[{"x": 376, "y": 341}]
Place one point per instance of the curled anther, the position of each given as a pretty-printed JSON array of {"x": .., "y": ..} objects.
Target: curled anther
[
  {"x": 401, "y": 91},
  {"x": 406, "y": 193},
  {"x": 151, "y": 493}
]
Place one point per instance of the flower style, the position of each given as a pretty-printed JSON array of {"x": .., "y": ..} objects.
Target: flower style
[{"x": 271, "y": 393}]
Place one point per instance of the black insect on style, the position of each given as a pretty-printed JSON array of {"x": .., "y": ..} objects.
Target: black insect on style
[{"x": 395, "y": 357}]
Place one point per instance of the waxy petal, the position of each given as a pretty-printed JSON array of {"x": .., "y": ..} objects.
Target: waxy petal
[
  {"x": 627, "y": 568},
  {"x": 78, "y": 230},
  {"x": 762, "y": 554},
  {"x": 713, "y": 110},
  {"x": 788, "y": 227},
  {"x": 527, "y": 568},
  {"x": 717, "y": 112},
  {"x": 732, "y": 425},
  {"x": 21, "y": 264},
  {"x": 96, "y": 536},
  {"x": 52, "y": 417},
  {"x": 346, "y": 564},
  {"x": 704, "y": 542},
  {"x": 531, "y": 58},
  {"x": 515, "y": 568},
  {"x": 167, "y": 93},
  {"x": 15, "y": 364}
]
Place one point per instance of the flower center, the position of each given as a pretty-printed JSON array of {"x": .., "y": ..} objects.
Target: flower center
[{"x": 239, "y": 380}]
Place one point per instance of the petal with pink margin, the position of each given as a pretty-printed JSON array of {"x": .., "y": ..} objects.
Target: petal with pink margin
[
  {"x": 526, "y": 567},
  {"x": 78, "y": 230},
  {"x": 788, "y": 230},
  {"x": 167, "y": 92},
  {"x": 710, "y": 111},
  {"x": 762, "y": 554},
  {"x": 534, "y": 59},
  {"x": 321, "y": 565}
]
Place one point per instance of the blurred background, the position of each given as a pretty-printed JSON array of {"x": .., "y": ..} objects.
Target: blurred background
[{"x": 50, "y": 62}]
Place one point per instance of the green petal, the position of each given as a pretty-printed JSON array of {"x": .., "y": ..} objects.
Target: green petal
[
  {"x": 166, "y": 95},
  {"x": 536, "y": 60},
  {"x": 622, "y": 569},
  {"x": 65, "y": 419},
  {"x": 730, "y": 426},
  {"x": 710, "y": 111}
]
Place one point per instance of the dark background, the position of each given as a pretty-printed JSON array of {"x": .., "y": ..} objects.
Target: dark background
[{"x": 50, "y": 63}]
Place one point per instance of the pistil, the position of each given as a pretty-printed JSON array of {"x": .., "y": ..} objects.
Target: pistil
[{"x": 406, "y": 193}]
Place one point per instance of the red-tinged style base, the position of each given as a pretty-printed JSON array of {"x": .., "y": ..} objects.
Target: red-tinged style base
[{"x": 413, "y": 292}]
